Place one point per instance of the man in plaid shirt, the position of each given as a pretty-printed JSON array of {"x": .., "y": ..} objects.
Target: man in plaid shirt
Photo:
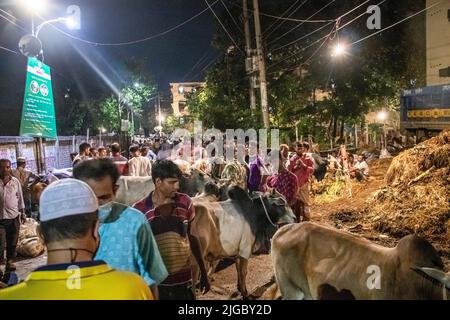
[{"x": 284, "y": 182}]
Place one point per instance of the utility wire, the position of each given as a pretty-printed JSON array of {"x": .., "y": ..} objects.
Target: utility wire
[
  {"x": 9, "y": 50},
  {"x": 296, "y": 27},
  {"x": 12, "y": 22},
  {"x": 135, "y": 41},
  {"x": 205, "y": 67},
  {"x": 199, "y": 61},
  {"x": 396, "y": 23},
  {"x": 223, "y": 27},
  {"x": 234, "y": 20},
  {"x": 278, "y": 17},
  {"x": 283, "y": 21},
  {"x": 337, "y": 20}
]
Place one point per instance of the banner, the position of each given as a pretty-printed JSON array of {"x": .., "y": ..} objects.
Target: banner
[{"x": 38, "y": 113}]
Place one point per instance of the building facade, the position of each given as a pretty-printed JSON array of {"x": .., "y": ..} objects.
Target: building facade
[
  {"x": 179, "y": 92},
  {"x": 438, "y": 43}
]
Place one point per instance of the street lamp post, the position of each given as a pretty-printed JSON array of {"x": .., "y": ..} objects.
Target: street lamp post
[{"x": 73, "y": 22}]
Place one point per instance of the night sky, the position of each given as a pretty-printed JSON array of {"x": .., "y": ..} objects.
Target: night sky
[{"x": 95, "y": 70}]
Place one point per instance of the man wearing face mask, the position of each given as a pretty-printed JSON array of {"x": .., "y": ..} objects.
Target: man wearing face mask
[
  {"x": 69, "y": 227},
  {"x": 127, "y": 239}
]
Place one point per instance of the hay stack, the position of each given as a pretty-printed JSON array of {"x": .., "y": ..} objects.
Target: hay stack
[{"x": 417, "y": 196}]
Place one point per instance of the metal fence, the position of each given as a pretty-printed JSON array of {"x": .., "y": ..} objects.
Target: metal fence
[{"x": 58, "y": 153}]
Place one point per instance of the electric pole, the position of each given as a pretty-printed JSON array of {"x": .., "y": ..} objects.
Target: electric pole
[
  {"x": 248, "y": 49},
  {"x": 262, "y": 66}
]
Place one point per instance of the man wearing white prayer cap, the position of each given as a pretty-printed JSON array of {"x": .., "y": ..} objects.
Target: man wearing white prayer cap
[{"x": 69, "y": 227}]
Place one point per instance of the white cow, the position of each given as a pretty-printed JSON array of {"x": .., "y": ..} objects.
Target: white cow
[{"x": 133, "y": 189}]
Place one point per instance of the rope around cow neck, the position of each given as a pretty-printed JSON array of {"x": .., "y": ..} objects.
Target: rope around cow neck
[{"x": 265, "y": 211}]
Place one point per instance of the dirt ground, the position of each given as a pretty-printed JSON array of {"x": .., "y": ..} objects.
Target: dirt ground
[{"x": 342, "y": 214}]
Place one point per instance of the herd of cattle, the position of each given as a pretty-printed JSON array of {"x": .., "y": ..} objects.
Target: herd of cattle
[{"x": 310, "y": 260}]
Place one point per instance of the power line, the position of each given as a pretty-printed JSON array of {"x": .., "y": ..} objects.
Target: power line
[
  {"x": 303, "y": 49},
  {"x": 9, "y": 50},
  {"x": 284, "y": 34},
  {"x": 223, "y": 27},
  {"x": 305, "y": 36},
  {"x": 335, "y": 20},
  {"x": 199, "y": 61},
  {"x": 234, "y": 20},
  {"x": 398, "y": 22},
  {"x": 283, "y": 21},
  {"x": 134, "y": 41},
  {"x": 12, "y": 21},
  {"x": 282, "y": 15},
  {"x": 278, "y": 17},
  {"x": 205, "y": 67}
]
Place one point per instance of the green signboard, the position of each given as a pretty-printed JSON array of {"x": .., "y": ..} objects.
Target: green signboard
[{"x": 38, "y": 113}]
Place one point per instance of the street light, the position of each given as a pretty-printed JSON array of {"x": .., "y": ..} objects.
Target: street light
[
  {"x": 33, "y": 6},
  {"x": 339, "y": 50}
]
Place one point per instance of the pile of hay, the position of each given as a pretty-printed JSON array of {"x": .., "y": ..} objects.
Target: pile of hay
[
  {"x": 416, "y": 198},
  {"x": 331, "y": 188}
]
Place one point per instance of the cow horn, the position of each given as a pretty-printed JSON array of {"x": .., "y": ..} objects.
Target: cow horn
[{"x": 435, "y": 274}]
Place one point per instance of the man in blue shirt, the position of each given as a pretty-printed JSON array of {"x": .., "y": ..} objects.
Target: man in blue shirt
[{"x": 127, "y": 241}]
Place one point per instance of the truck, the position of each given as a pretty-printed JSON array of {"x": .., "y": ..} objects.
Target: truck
[{"x": 424, "y": 112}]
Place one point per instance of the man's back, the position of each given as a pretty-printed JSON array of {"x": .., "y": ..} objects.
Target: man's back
[
  {"x": 90, "y": 280},
  {"x": 128, "y": 243},
  {"x": 140, "y": 166}
]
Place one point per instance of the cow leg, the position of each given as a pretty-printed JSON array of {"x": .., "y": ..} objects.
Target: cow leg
[
  {"x": 289, "y": 291},
  {"x": 241, "y": 268}
]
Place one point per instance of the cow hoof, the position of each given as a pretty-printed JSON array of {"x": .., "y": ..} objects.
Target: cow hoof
[{"x": 235, "y": 294}]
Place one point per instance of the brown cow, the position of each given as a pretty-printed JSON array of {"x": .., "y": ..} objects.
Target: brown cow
[
  {"x": 234, "y": 228},
  {"x": 307, "y": 256}
]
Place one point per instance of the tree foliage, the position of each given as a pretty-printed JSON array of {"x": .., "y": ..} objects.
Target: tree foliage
[{"x": 369, "y": 77}]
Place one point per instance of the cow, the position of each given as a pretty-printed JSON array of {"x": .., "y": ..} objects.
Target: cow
[
  {"x": 132, "y": 189},
  {"x": 320, "y": 166},
  {"x": 309, "y": 256},
  {"x": 194, "y": 183},
  {"x": 236, "y": 227},
  {"x": 213, "y": 192}
]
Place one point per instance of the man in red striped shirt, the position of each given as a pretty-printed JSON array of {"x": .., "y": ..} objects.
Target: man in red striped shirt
[{"x": 170, "y": 214}]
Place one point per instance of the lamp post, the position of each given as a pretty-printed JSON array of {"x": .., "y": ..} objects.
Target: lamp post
[{"x": 31, "y": 46}]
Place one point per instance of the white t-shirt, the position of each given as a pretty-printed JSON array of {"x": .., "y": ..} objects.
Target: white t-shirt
[
  {"x": 363, "y": 167},
  {"x": 139, "y": 167}
]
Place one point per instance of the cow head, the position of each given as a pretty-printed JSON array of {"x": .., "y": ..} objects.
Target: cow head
[
  {"x": 275, "y": 207},
  {"x": 437, "y": 277},
  {"x": 194, "y": 183}
]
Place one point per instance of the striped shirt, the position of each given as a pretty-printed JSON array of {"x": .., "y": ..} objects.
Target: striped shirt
[{"x": 171, "y": 235}]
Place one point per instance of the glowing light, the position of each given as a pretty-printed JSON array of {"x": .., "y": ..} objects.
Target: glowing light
[
  {"x": 34, "y": 6},
  {"x": 71, "y": 23},
  {"x": 382, "y": 115},
  {"x": 338, "y": 50}
]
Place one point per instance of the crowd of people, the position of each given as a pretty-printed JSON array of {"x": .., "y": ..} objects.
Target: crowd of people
[{"x": 143, "y": 251}]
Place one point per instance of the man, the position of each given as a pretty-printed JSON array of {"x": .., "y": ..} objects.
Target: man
[
  {"x": 69, "y": 227},
  {"x": 360, "y": 170},
  {"x": 139, "y": 166},
  {"x": 12, "y": 213},
  {"x": 284, "y": 182},
  {"x": 24, "y": 175},
  {"x": 170, "y": 214},
  {"x": 102, "y": 152},
  {"x": 83, "y": 154},
  {"x": 256, "y": 166},
  {"x": 127, "y": 241},
  {"x": 303, "y": 167},
  {"x": 120, "y": 161}
]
